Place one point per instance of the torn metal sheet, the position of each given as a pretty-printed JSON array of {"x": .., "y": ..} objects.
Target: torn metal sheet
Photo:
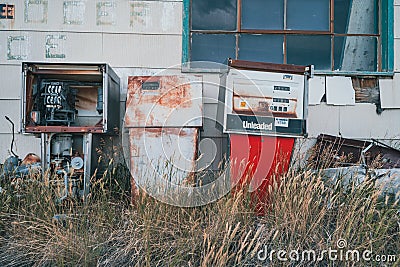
[
  {"x": 164, "y": 101},
  {"x": 345, "y": 152},
  {"x": 316, "y": 90},
  {"x": 162, "y": 153},
  {"x": 339, "y": 91},
  {"x": 389, "y": 92},
  {"x": 36, "y": 11}
]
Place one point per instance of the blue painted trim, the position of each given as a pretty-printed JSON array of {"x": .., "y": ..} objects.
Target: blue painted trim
[
  {"x": 390, "y": 40},
  {"x": 387, "y": 35},
  {"x": 185, "y": 32}
]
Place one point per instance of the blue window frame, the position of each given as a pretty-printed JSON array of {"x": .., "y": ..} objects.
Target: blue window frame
[{"x": 343, "y": 36}]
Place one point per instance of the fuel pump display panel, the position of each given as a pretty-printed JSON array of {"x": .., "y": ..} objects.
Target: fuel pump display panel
[{"x": 265, "y": 103}]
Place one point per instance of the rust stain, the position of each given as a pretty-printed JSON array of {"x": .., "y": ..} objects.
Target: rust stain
[
  {"x": 158, "y": 132},
  {"x": 174, "y": 91},
  {"x": 30, "y": 158},
  {"x": 136, "y": 133}
]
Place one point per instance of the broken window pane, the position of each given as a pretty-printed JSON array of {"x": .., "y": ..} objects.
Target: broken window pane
[
  {"x": 309, "y": 49},
  {"x": 308, "y": 15},
  {"x": 357, "y": 16},
  {"x": 341, "y": 15},
  {"x": 213, "y": 47},
  {"x": 257, "y": 47},
  {"x": 355, "y": 53},
  {"x": 214, "y": 15},
  {"x": 261, "y": 14}
]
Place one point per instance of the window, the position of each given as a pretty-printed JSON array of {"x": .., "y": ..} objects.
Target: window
[{"x": 333, "y": 35}]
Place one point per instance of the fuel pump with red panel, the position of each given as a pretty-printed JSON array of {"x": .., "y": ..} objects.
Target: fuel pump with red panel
[{"x": 265, "y": 110}]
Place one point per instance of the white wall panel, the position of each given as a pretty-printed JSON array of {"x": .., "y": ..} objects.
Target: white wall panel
[
  {"x": 362, "y": 121},
  {"x": 23, "y": 145},
  {"x": 12, "y": 109},
  {"x": 339, "y": 91},
  {"x": 389, "y": 90},
  {"x": 397, "y": 53},
  {"x": 316, "y": 90},
  {"x": 10, "y": 86},
  {"x": 323, "y": 119},
  {"x": 396, "y": 24},
  {"x": 122, "y": 16},
  {"x": 18, "y": 46},
  {"x": 157, "y": 51},
  {"x": 156, "y": 17}
]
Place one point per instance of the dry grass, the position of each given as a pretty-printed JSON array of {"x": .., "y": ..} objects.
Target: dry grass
[{"x": 304, "y": 212}]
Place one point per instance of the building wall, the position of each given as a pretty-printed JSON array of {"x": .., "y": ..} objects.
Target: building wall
[{"x": 144, "y": 38}]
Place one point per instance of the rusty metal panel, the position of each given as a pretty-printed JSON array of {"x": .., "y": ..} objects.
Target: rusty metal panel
[
  {"x": 167, "y": 153},
  {"x": 164, "y": 101}
]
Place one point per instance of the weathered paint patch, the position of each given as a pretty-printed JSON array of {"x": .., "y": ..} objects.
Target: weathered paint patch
[
  {"x": 106, "y": 13},
  {"x": 55, "y": 45},
  {"x": 36, "y": 11},
  {"x": 164, "y": 101},
  {"x": 139, "y": 14},
  {"x": 17, "y": 47},
  {"x": 163, "y": 153},
  {"x": 74, "y": 12}
]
